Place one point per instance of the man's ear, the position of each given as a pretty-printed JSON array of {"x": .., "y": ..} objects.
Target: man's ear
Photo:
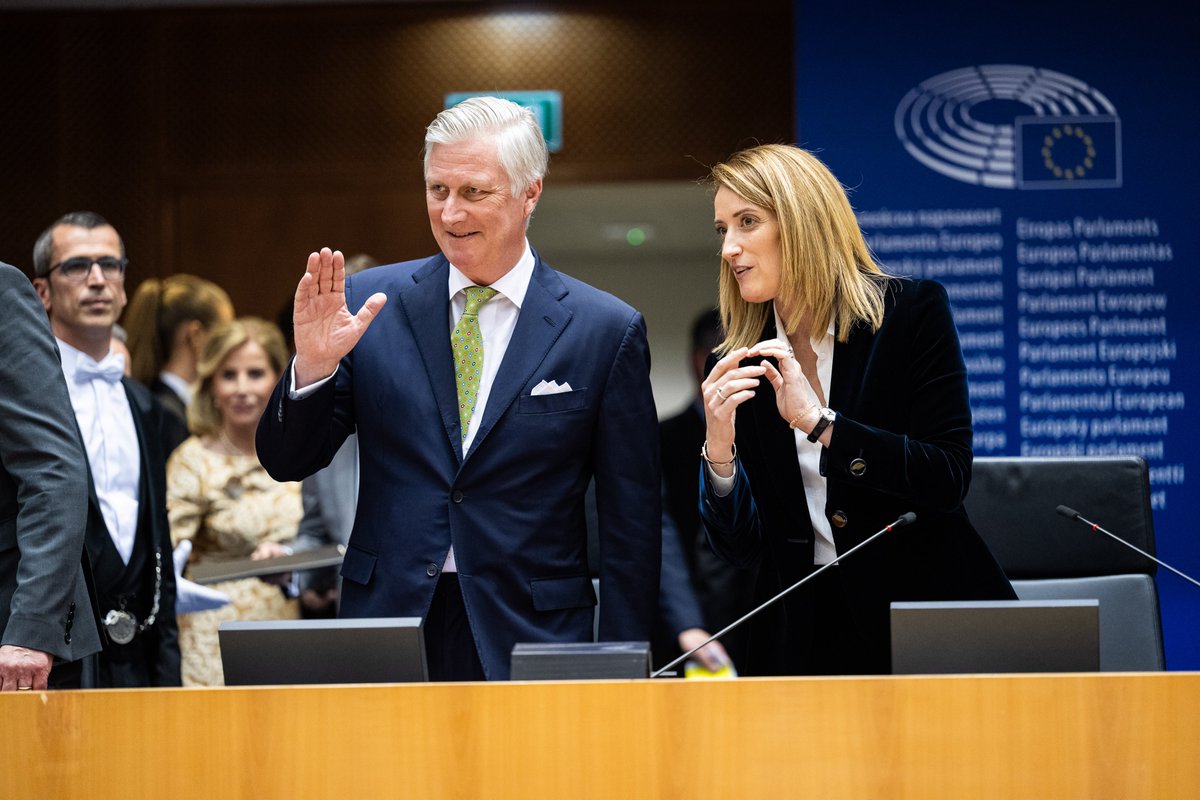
[
  {"x": 533, "y": 193},
  {"x": 42, "y": 287}
]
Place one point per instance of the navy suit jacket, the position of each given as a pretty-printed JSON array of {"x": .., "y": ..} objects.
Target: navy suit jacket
[
  {"x": 901, "y": 442},
  {"x": 513, "y": 506}
]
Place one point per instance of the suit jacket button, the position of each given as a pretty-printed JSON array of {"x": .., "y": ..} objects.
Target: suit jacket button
[
  {"x": 858, "y": 467},
  {"x": 839, "y": 519},
  {"x": 432, "y": 570},
  {"x": 456, "y": 496}
]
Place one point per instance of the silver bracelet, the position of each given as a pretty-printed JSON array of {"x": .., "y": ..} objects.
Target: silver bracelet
[{"x": 711, "y": 463}]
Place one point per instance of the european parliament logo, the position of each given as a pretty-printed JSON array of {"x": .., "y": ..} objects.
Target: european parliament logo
[
  {"x": 1008, "y": 126},
  {"x": 1068, "y": 152}
]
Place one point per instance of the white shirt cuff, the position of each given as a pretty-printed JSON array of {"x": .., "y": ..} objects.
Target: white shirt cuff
[
  {"x": 300, "y": 394},
  {"x": 722, "y": 486}
]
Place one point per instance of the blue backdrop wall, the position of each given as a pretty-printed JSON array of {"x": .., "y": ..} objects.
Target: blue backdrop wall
[{"x": 1035, "y": 158}]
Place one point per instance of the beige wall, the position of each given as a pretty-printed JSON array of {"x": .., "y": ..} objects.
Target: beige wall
[{"x": 671, "y": 278}]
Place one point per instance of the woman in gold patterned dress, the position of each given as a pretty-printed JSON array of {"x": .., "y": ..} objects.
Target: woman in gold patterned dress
[{"x": 221, "y": 498}]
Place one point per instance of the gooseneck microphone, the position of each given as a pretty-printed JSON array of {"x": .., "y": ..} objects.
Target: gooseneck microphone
[
  {"x": 905, "y": 519},
  {"x": 1071, "y": 513}
]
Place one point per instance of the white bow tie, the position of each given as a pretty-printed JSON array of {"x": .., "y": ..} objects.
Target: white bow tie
[{"x": 111, "y": 368}]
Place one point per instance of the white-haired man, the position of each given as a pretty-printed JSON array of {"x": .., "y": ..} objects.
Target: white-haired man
[{"x": 486, "y": 392}]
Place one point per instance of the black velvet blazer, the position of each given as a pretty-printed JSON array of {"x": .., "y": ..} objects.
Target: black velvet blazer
[{"x": 901, "y": 442}]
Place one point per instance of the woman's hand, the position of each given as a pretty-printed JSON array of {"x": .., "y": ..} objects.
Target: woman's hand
[
  {"x": 795, "y": 398},
  {"x": 273, "y": 550},
  {"x": 726, "y": 387}
]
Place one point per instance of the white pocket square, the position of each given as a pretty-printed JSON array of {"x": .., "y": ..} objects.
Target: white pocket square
[{"x": 550, "y": 387}]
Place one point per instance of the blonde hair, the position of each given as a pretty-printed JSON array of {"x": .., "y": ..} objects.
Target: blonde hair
[
  {"x": 204, "y": 417},
  {"x": 159, "y": 308},
  {"x": 828, "y": 272}
]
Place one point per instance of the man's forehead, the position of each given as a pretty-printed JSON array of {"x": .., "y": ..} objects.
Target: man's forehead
[
  {"x": 71, "y": 236},
  {"x": 470, "y": 161}
]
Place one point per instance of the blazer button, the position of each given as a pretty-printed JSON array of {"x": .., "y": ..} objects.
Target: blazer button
[
  {"x": 840, "y": 520},
  {"x": 858, "y": 467},
  {"x": 432, "y": 570},
  {"x": 456, "y": 496}
]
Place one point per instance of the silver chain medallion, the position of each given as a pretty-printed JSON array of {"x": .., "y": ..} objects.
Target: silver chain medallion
[{"x": 121, "y": 626}]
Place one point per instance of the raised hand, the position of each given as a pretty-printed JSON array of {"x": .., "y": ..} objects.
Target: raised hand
[{"x": 325, "y": 330}]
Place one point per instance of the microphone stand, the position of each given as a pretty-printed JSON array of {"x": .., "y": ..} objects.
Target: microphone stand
[
  {"x": 1071, "y": 513},
  {"x": 905, "y": 519}
]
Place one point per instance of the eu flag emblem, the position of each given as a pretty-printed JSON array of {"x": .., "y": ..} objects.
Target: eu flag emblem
[{"x": 1074, "y": 152}]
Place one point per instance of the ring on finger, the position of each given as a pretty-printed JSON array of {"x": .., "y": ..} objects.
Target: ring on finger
[{"x": 720, "y": 395}]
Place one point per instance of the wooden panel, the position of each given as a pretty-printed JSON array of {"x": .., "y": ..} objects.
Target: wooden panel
[
  {"x": 1065, "y": 736},
  {"x": 224, "y": 141}
]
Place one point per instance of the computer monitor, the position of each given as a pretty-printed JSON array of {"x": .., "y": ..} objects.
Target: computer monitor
[
  {"x": 995, "y": 636},
  {"x": 273, "y": 652}
]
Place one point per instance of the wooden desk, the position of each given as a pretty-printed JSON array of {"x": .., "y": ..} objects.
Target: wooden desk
[{"x": 1029, "y": 737}]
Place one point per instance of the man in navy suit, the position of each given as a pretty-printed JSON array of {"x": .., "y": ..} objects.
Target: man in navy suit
[{"x": 471, "y": 505}]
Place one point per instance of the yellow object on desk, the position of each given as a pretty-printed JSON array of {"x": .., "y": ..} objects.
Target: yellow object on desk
[{"x": 696, "y": 670}]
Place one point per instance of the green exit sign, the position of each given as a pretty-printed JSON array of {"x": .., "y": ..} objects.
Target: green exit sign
[{"x": 546, "y": 105}]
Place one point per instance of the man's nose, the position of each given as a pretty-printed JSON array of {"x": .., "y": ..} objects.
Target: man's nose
[
  {"x": 452, "y": 209},
  {"x": 95, "y": 275}
]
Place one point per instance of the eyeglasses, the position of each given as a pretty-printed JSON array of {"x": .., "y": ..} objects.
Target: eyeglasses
[{"x": 78, "y": 268}]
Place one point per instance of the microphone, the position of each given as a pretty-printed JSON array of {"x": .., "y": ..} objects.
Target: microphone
[
  {"x": 1070, "y": 513},
  {"x": 905, "y": 519}
]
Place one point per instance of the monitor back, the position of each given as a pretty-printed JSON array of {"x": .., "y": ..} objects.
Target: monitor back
[
  {"x": 995, "y": 636},
  {"x": 274, "y": 652}
]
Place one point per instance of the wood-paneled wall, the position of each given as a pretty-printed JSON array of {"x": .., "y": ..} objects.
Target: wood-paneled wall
[{"x": 231, "y": 142}]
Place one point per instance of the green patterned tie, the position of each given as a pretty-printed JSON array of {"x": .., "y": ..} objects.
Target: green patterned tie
[{"x": 467, "y": 345}]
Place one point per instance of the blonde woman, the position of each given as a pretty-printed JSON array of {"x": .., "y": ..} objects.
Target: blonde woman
[
  {"x": 167, "y": 323},
  {"x": 837, "y": 402},
  {"x": 220, "y": 498}
]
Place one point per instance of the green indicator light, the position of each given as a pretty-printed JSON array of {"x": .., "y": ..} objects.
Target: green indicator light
[{"x": 635, "y": 236}]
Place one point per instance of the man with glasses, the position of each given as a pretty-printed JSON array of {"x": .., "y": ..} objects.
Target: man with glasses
[{"x": 79, "y": 266}]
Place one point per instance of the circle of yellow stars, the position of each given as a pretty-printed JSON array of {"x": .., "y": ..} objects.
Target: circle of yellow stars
[{"x": 1060, "y": 135}]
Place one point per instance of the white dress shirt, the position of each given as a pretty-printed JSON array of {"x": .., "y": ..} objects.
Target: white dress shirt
[
  {"x": 808, "y": 454},
  {"x": 497, "y": 319},
  {"x": 106, "y": 422}
]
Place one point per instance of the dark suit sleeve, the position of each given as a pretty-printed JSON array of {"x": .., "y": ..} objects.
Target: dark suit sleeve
[
  {"x": 297, "y": 437},
  {"x": 929, "y": 463},
  {"x": 731, "y": 523},
  {"x": 677, "y": 603},
  {"x": 43, "y": 480},
  {"x": 628, "y": 493}
]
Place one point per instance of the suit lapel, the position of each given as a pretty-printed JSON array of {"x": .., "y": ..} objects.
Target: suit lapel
[
  {"x": 425, "y": 304},
  {"x": 543, "y": 319},
  {"x": 848, "y": 356}
]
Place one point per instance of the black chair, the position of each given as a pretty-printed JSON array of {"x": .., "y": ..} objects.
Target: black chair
[{"x": 1013, "y": 504}]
